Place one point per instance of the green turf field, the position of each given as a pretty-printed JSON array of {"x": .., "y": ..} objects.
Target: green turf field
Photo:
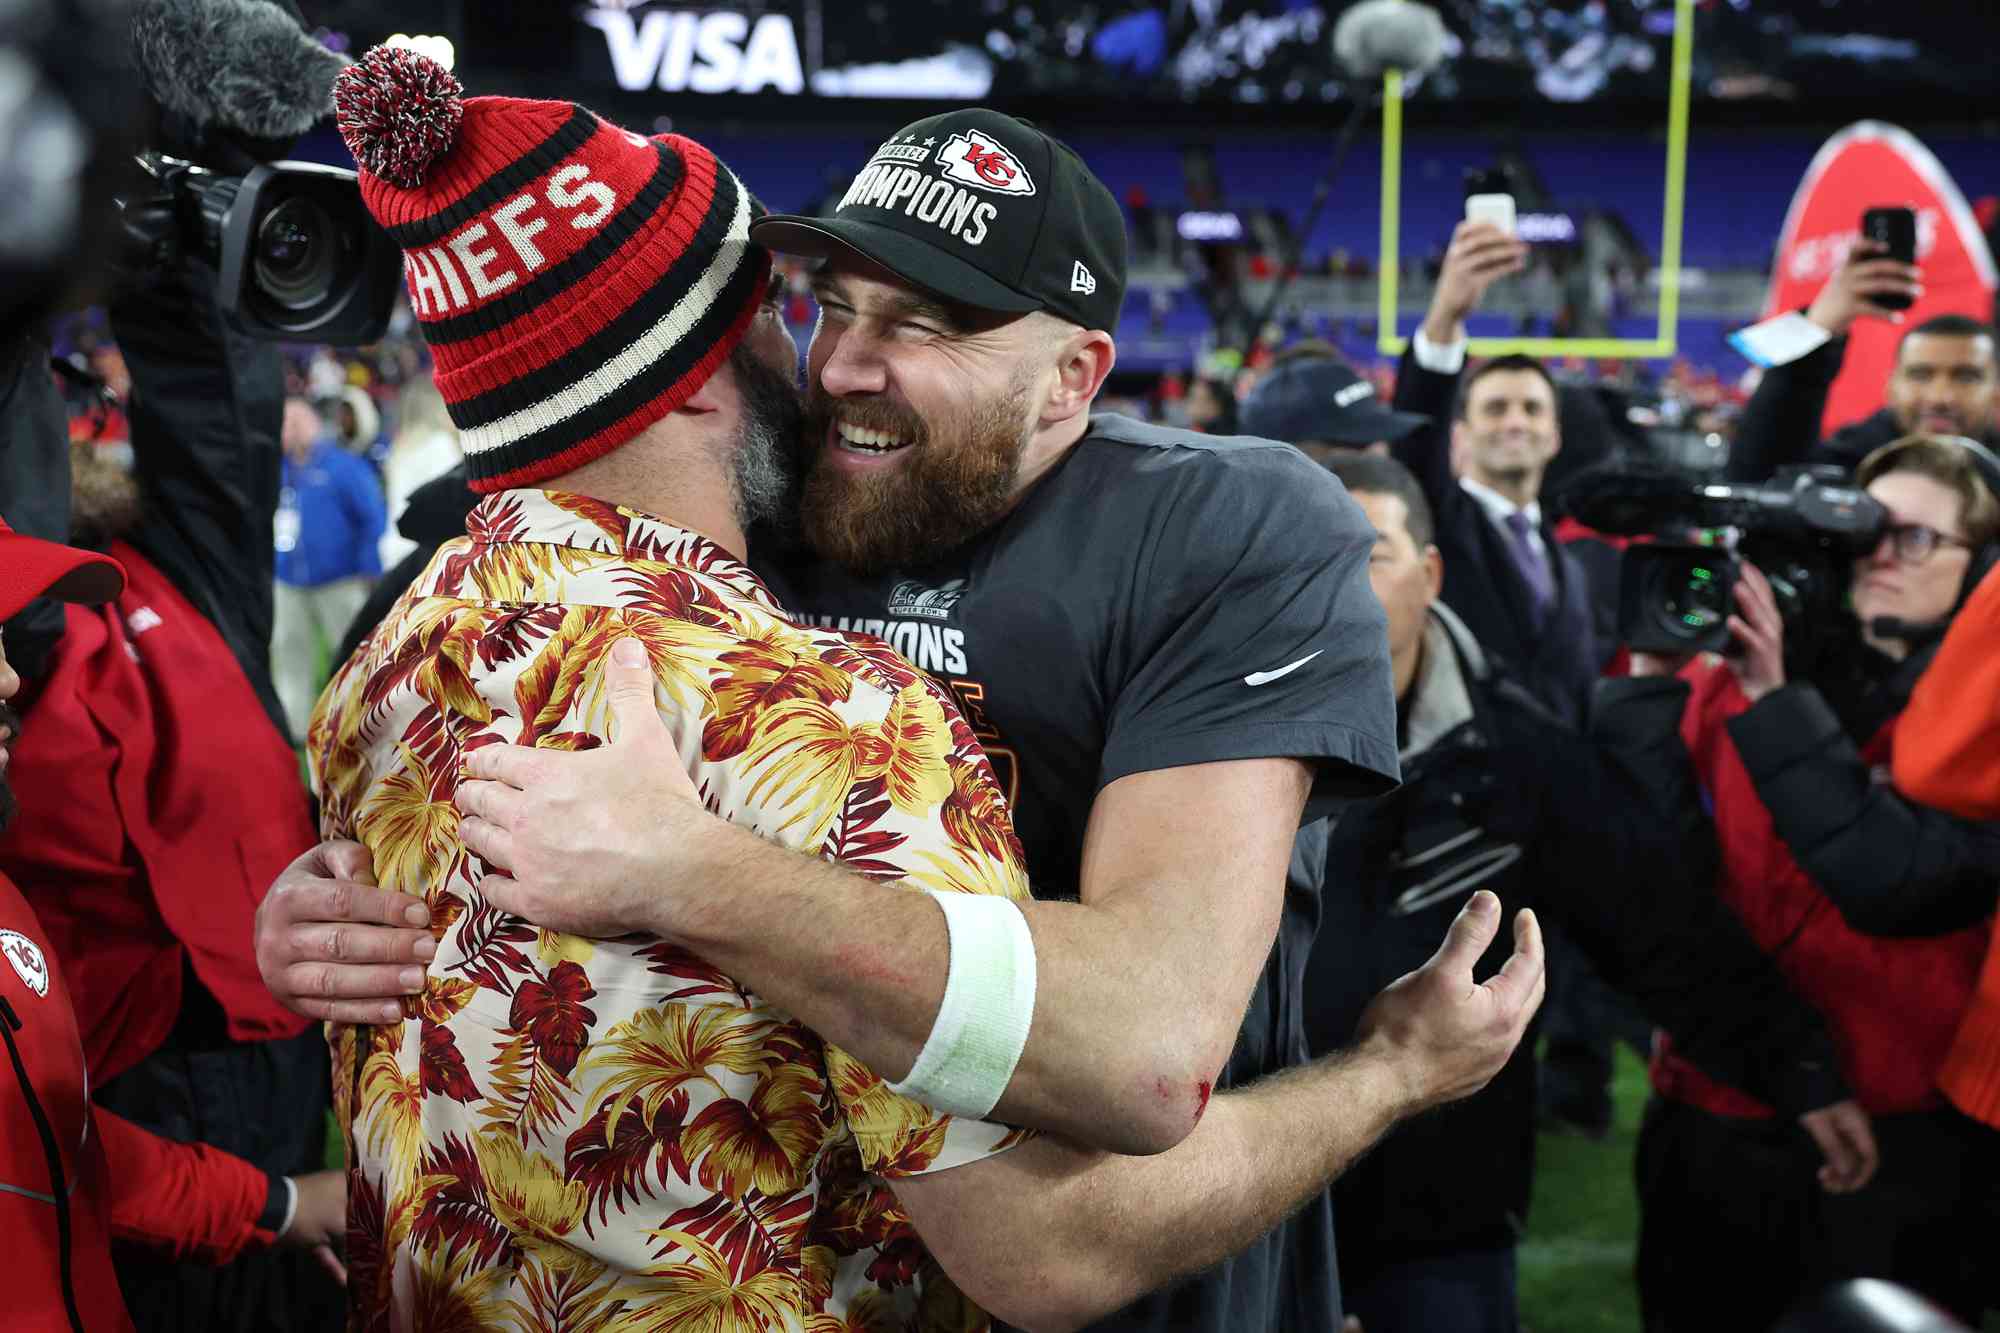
[{"x": 1576, "y": 1263}]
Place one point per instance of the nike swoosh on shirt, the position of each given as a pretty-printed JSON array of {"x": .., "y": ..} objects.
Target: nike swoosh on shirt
[{"x": 1266, "y": 677}]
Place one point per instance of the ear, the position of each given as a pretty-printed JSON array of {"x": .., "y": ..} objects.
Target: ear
[
  {"x": 1083, "y": 362},
  {"x": 1433, "y": 574},
  {"x": 1461, "y": 440},
  {"x": 714, "y": 394}
]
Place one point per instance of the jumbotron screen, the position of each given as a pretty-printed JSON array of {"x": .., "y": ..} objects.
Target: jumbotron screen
[{"x": 1244, "y": 52}]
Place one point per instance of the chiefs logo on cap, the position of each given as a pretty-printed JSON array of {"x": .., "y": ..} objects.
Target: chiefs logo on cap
[{"x": 976, "y": 160}]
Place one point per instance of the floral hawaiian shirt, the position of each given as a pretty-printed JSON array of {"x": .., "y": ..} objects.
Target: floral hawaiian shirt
[{"x": 612, "y": 1135}]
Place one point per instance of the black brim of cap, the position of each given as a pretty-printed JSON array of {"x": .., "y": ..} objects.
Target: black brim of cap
[
  {"x": 1365, "y": 425},
  {"x": 902, "y": 254}
]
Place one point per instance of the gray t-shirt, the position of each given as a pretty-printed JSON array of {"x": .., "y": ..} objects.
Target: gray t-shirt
[{"x": 1160, "y": 599}]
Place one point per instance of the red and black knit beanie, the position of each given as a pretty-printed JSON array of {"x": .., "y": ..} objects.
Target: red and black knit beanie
[{"x": 576, "y": 282}]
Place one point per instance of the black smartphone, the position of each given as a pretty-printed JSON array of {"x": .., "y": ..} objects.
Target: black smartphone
[{"x": 1896, "y": 230}]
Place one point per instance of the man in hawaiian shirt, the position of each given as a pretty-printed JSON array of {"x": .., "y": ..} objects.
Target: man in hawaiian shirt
[{"x": 559, "y": 1130}]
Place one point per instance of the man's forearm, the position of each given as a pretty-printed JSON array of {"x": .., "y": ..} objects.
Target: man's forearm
[
  {"x": 1257, "y": 1156},
  {"x": 1444, "y": 327},
  {"x": 1103, "y": 1230},
  {"x": 864, "y": 965},
  {"x": 1781, "y": 422}
]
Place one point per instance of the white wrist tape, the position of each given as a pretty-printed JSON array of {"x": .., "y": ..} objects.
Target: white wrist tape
[
  {"x": 291, "y": 1207},
  {"x": 989, "y": 1001}
]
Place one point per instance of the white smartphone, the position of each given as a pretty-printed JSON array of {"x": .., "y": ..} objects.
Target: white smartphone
[{"x": 1497, "y": 209}]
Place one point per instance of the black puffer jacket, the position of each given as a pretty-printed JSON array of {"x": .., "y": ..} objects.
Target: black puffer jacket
[{"x": 1498, "y": 794}]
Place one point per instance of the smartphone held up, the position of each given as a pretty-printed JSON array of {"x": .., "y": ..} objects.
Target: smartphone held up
[
  {"x": 1489, "y": 197},
  {"x": 1895, "y": 230}
]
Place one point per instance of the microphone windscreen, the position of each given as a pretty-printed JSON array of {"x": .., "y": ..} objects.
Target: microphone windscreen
[
  {"x": 1627, "y": 498},
  {"x": 241, "y": 65},
  {"x": 1376, "y": 35}
]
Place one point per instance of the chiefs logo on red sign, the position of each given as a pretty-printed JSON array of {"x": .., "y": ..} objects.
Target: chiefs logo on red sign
[{"x": 976, "y": 160}]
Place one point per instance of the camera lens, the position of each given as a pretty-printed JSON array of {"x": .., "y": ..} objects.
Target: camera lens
[
  {"x": 295, "y": 254},
  {"x": 1696, "y": 600}
]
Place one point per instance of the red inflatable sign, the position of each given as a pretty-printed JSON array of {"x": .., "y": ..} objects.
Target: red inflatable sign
[{"x": 1874, "y": 165}]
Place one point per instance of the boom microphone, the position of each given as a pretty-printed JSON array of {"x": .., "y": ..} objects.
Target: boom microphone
[
  {"x": 1378, "y": 35},
  {"x": 1370, "y": 37},
  {"x": 245, "y": 67}
]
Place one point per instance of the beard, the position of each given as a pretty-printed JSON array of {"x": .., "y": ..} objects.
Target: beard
[
  {"x": 1912, "y": 422},
  {"x": 958, "y": 480},
  {"x": 763, "y": 483}
]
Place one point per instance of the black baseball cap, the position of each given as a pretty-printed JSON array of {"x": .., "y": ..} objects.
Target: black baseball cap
[
  {"x": 982, "y": 209},
  {"x": 1321, "y": 400}
]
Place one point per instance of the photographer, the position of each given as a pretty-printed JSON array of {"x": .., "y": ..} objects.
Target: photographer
[
  {"x": 1815, "y": 854},
  {"x": 1945, "y": 380},
  {"x": 1499, "y": 794}
]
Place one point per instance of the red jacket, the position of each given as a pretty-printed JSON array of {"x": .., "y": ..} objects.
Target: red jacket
[
  {"x": 1891, "y": 1004},
  {"x": 1952, "y": 761},
  {"x": 186, "y": 1199},
  {"x": 158, "y": 802}
]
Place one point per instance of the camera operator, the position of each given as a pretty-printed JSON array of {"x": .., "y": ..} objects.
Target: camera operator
[
  {"x": 1816, "y": 853},
  {"x": 1500, "y": 794},
  {"x": 1946, "y": 379}
]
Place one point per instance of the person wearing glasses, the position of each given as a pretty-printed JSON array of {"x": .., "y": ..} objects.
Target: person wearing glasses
[{"x": 1872, "y": 905}]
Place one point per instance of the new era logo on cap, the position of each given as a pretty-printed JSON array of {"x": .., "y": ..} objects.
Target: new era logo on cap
[
  {"x": 1080, "y": 279},
  {"x": 977, "y": 159}
]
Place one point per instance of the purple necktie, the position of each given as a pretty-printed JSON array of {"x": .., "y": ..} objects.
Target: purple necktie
[{"x": 1534, "y": 569}]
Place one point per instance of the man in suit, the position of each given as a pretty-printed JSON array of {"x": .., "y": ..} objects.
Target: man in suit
[
  {"x": 1526, "y": 599},
  {"x": 1481, "y": 466}
]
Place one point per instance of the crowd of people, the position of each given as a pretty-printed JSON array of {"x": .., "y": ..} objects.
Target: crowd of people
[{"x": 923, "y": 850}]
